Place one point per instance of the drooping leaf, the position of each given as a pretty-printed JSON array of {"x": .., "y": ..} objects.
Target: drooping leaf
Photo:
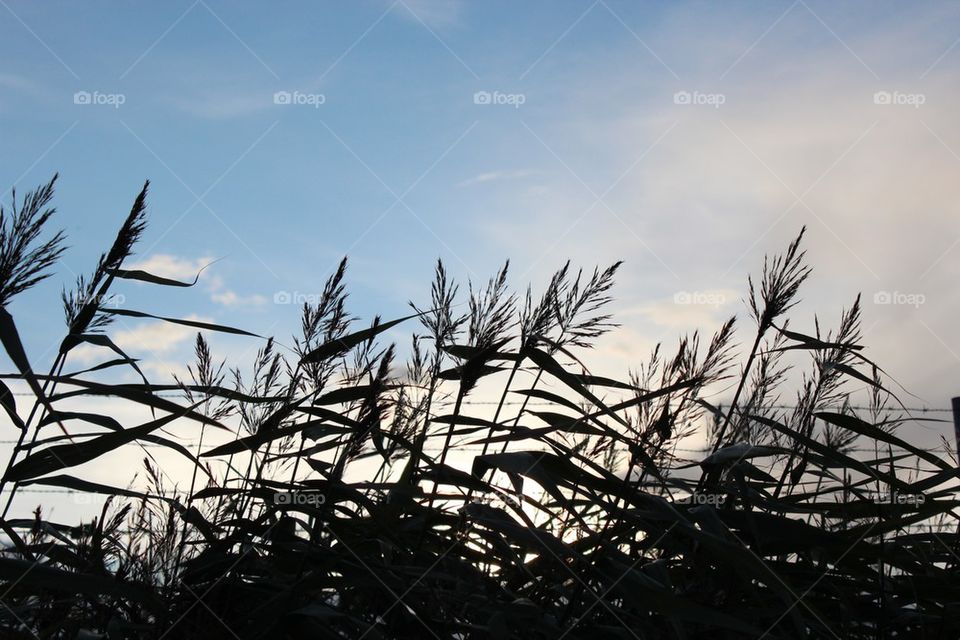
[
  {"x": 873, "y": 432},
  {"x": 68, "y": 455},
  {"x": 144, "y": 276},
  {"x": 345, "y": 343},
  {"x": 182, "y": 321}
]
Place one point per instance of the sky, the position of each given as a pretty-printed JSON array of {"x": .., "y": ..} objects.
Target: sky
[{"x": 687, "y": 139}]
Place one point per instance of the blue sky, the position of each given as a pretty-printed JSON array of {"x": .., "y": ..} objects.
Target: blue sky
[{"x": 685, "y": 138}]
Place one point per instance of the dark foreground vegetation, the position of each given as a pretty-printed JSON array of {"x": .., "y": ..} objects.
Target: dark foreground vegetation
[{"x": 330, "y": 497}]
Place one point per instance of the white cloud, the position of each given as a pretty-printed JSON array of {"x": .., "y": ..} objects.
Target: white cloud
[
  {"x": 13, "y": 81},
  {"x": 439, "y": 14},
  {"x": 221, "y": 104},
  {"x": 148, "y": 339},
  {"x": 494, "y": 175},
  {"x": 231, "y": 299},
  {"x": 155, "y": 369}
]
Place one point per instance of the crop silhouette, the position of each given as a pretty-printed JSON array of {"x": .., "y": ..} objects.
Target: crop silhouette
[{"x": 329, "y": 498}]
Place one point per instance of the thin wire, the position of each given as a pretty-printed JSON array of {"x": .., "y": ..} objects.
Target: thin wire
[
  {"x": 513, "y": 403},
  {"x": 476, "y": 447}
]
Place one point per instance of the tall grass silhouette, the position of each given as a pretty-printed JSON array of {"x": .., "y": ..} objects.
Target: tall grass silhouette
[{"x": 328, "y": 498}]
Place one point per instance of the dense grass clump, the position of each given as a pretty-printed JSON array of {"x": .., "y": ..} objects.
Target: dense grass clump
[{"x": 330, "y": 496}]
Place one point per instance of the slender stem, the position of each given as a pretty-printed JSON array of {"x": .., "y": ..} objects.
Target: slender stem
[
  {"x": 446, "y": 445},
  {"x": 456, "y": 413},
  {"x": 193, "y": 484},
  {"x": 496, "y": 415},
  {"x": 296, "y": 461},
  {"x": 523, "y": 407},
  {"x": 736, "y": 396},
  {"x": 761, "y": 330}
]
